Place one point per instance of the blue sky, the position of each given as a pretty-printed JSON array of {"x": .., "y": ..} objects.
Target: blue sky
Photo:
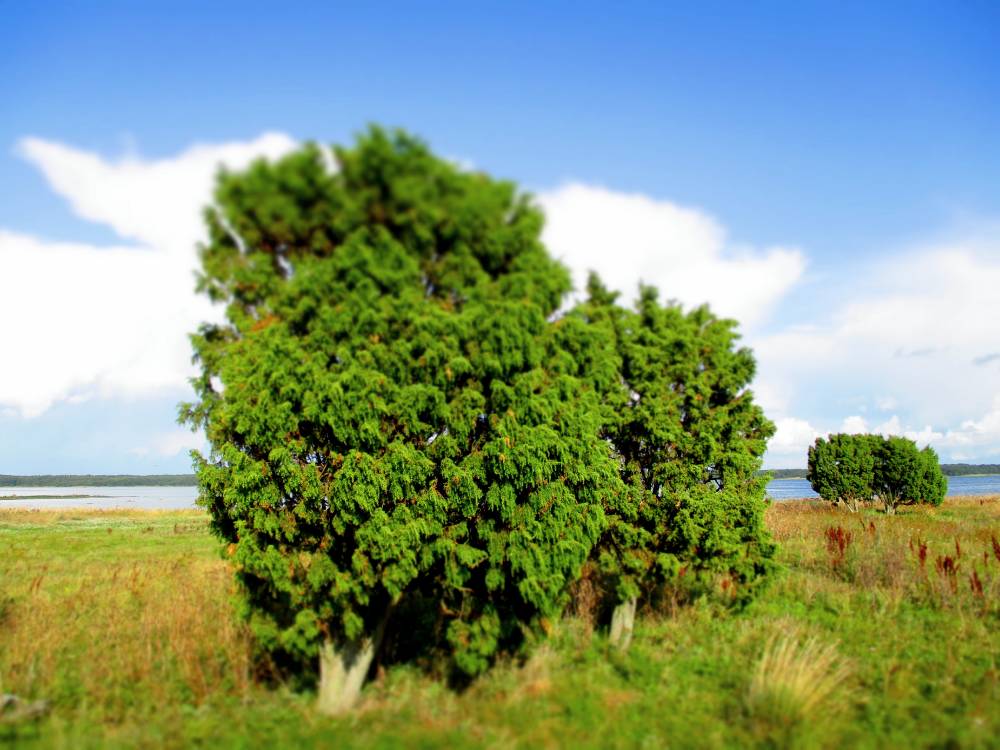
[{"x": 839, "y": 158}]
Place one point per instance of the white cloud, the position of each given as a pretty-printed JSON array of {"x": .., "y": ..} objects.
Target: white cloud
[
  {"x": 88, "y": 319},
  {"x": 156, "y": 203},
  {"x": 628, "y": 237},
  {"x": 82, "y": 320},
  {"x": 791, "y": 440},
  {"x": 974, "y": 438},
  {"x": 976, "y": 435},
  {"x": 854, "y": 425},
  {"x": 891, "y": 426},
  {"x": 914, "y": 329},
  {"x": 919, "y": 325},
  {"x": 924, "y": 436},
  {"x": 114, "y": 320}
]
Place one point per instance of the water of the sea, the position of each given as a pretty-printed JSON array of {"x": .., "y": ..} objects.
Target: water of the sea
[
  {"x": 179, "y": 498},
  {"x": 787, "y": 489},
  {"x": 100, "y": 498}
]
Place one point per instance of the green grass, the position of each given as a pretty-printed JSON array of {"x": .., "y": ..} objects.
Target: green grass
[{"x": 123, "y": 621}]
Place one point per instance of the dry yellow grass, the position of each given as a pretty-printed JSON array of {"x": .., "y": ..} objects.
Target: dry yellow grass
[
  {"x": 124, "y": 622},
  {"x": 946, "y": 556},
  {"x": 797, "y": 680},
  {"x": 92, "y": 620}
]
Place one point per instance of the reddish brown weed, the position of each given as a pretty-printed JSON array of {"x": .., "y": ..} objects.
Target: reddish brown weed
[
  {"x": 838, "y": 540},
  {"x": 920, "y": 550},
  {"x": 976, "y": 584},
  {"x": 947, "y": 569}
]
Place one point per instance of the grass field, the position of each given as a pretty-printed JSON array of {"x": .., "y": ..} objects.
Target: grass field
[{"x": 875, "y": 632}]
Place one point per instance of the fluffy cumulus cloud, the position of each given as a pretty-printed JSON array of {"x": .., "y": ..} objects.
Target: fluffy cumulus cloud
[
  {"x": 792, "y": 438},
  {"x": 110, "y": 321},
  {"x": 969, "y": 439},
  {"x": 914, "y": 339},
  {"x": 113, "y": 321},
  {"x": 921, "y": 326},
  {"x": 156, "y": 203},
  {"x": 629, "y": 237}
]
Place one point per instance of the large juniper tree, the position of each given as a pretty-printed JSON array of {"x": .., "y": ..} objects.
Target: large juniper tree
[
  {"x": 388, "y": 407},
  {"x": 395, "y": 408}
]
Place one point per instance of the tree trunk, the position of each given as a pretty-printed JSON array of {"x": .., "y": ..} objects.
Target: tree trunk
[
  {"x": 343, "y": 668},
  {"x": 622, "y": 622}
]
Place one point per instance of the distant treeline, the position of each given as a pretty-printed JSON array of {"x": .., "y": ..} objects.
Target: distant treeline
[
  {"x": 949, "y": 470},
  {"x": 785, "y": 473},
  {"x": 964, "y": 470},
  {"x": 99, "y": 480},
  {"x": 189, "y": 480}
]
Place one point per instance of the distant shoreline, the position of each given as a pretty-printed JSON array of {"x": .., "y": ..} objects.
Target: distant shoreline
[
  {"x": 99, "y": 480},
  {"x": 782, "y": 477},
  {"x": 190, "y": 480},
  {"x": 949, "y": 470},
  {"x": 50, "y": 497}
]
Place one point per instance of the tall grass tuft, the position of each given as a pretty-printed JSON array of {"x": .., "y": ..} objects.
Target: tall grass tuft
[{"x": 796, "y": 686}]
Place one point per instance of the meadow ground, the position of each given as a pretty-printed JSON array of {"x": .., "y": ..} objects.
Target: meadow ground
[{"x": 874, "y": 632}]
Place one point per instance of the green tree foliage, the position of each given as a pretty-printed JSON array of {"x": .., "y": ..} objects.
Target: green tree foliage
[
  {"x": 906, "y": 475},
  {"x": 858, "y": 468},
  {"x": 689, "y": 440},
  {"x": 396, "y": 410},
  {"x": 934, "y": 480},
  {"x": 388, "y": 406},
  {"x": 842, "y": 469}
]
